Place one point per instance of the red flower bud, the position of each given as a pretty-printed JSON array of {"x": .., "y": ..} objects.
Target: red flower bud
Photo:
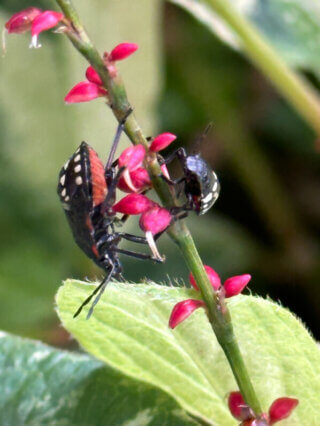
[
  {"x": 161, "y": 141},
  {"x": 235, "y": 285},
  {"x": 140, "y": 180},
  {"x": 122, "y": 51},
  {"x": 212, "y": 275},
  {"x": 84, "y": 92},
  {"x": 133, "y": 204},
  {"x": 43, "y": 22},
  {"x": 93, "y": 76},
  {"x": 132, "y": 157},
  {"x": 155, "y": 220},
  {"x": 238, "y": 408},
  {"x": 183, "y": 310},
  {"x": 281, "y": 408},
  {"x": 21, "y": 22}
]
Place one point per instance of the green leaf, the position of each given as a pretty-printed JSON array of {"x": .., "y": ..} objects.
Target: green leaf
[
  {"x": 292, "y": 26},
  {"x": 129, "y": 331},
  {"x": 45, "y": 386}
]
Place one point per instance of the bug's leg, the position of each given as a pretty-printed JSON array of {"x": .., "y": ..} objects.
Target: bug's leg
[
  {"x": 100, "y": 289},
  {"x": 116, "y": 140},
  {"x": 137, "y": 255},
  {"x": 180, "y": 154}
]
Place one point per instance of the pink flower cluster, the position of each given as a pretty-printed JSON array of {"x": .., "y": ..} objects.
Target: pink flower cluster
[
  {"x": 34, "y": 20},
  {"x": 231, "y": 287},
  {"x": 92, "y": 88},
  {"x": 280, "y": 409},
  {"x": 154, "y": 218}
]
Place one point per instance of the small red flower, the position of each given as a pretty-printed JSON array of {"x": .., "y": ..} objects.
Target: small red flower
[
  {"x": 155, "y": 220},
  {"x": 231, "y": 287},
  {"x": 161, "y": 141},
  {"x": 21, "y": 21},
  {"x": 93, "y": 76},
  {"x": 238, "y": 408},
  {"x": 84, "y": 92},
  {"x": 183, "y": 310},
  {"x": 212, "y": 275},
  {"x": 133, "y": 204},
  {"x": 131, "y": 158},
  {"x": 281, "y": 408},
  {"x": 140, "y": 181},
  {"x": 43, "y": 22},
  {"x": 122, "y": 51},
  {"x": 234, "y": 285}
]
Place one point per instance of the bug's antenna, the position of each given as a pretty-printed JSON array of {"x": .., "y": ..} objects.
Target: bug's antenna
[
  {"x": 196, "y": 145},
  {"x": 117, "y": 139}
]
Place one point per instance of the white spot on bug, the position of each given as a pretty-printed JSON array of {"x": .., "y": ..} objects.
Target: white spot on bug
[
  {"x": 64, "y": 192},
  {"x": 208, "y": 198},
  {"x": 77, "y": 158},
  {"x": 77, "y": 169},
  {"x": 215, "y": 186},
  {"x": 63, "y": 179},
  {"x": 66, "y": 165},
  {"x": 79, "y": 180},
  {"x": 67, "y": 198}
]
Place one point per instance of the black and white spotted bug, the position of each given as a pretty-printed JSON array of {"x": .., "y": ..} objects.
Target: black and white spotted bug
[
  {"x": 201, "y": 184},
  {"x": 87, "y": 192}
]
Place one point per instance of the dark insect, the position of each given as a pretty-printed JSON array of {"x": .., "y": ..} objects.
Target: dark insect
[
  {"x": 87, "y": 193},
  {"x": 201, "y": 184}
]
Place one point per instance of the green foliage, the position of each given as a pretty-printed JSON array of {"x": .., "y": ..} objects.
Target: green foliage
[
  {"x": 44, "y": 386},
  {"x": 293, "y": 26},
  {"x": 129, "y": 331}
]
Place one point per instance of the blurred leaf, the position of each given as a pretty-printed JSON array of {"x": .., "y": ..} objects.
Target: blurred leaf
[
  {"x": 292, "y": 26},
  {"x": 129, "y": 331},
  {"x": 42, "y": 385},
  {"x": 39, "y": 133}
]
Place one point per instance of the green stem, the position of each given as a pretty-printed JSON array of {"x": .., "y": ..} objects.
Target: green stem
[
  {"x": 219, "y": 318},
  {"x": 293, "y": 87}
]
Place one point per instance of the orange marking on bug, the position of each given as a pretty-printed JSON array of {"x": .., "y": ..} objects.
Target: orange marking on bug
[
  {"x": 95, "y": 251},
  {"x": 99, "y": 186},
  {"x": 89, "y": 223}
]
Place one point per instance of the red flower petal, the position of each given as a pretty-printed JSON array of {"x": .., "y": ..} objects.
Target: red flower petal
[
  {"x": 183, "y": 310},
  {"x": 155, "y": 220},
  {"x": 122, "y": 51},
  {"x": 212, "y": 275},
  {"x": 21, "y": 22},
  {"x": 140, "y": 180},
  {"x": 132, "y": 157},
  {"x": 93, "y": 76},
  {"x": 161, "y": 141},
  {"x": 281, "y": 408},
  {"x": 45, "y": 21},
  {"x": 133, "y": 204},
  {"x": 84, "y": 92},
  {"x": 235, "y": 285},
  {"x": 238, "y": 408}
]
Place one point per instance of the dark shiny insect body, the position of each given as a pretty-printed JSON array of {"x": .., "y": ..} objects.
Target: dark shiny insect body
[
  {"x": 201, "y": 184},
  {"x": 87, "y": 193}
]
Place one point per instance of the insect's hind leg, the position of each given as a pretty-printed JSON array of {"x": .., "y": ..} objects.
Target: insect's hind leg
[{"x": 100, "y": 289}]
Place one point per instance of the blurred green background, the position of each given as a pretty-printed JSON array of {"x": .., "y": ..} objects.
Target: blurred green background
[{"x": 266, "y": 221}]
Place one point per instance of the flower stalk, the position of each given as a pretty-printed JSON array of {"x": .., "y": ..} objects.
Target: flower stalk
[{"x": 219, "y": 319}]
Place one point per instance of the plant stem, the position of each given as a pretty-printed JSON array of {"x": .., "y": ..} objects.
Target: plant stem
[
  {"x": 219, "y": 318},
  {"x": 292, "y": 86}
]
